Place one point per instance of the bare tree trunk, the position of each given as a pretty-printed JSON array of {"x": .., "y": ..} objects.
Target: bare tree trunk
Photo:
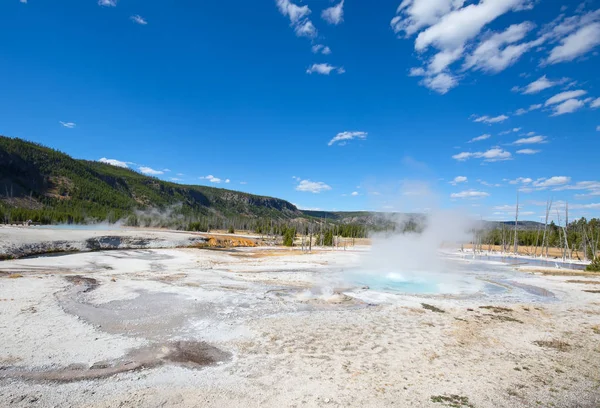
[{"x": 516, "y": 245}]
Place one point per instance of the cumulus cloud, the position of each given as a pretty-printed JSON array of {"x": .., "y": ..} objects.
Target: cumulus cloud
[
  {"x": 150, "y": 171},
  {"x": 138, "y": 20},
  {"x": 305, "y": 29},
  {"x": 107, "y": 3},
  {"x": 449, "y": 28},
  {"x": 492, "y": 155},
  {"x": 321, "y": 49},
  {"x": 114, "y": 162},
  {"x": 334, "y": 15},
  {"x": 471, "y": 194},
  {"x": 527, "y": 151},
  {"x": 212, "y": 179},
  {"x": 354, "y": 194},
  {"x": 344, "y": 137},
  {"x": 68, "y": 125},
  {"x": 488, "y": 119},
  {"x": 314, "y": 187},
  {"x": 324, "y": 69},
  {"x": 480, "y": 138}
]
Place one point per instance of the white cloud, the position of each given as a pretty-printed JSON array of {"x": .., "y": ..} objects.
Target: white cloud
[
  {"x": 324, "y": 69},
  {"x": 413, "y": 15},
  {"x": 535, "y": 106},
  {"x": 576, "y": 44},
  {"x": 211, "y": 178},
  {"x": 480, "y": 138},
  {"x": 343, "y": 137},
  {"x": 354, "y": 194},
  {"x": 528, "y": 151},
  {"x": 227, "y": 181},
  {"x": 492, "y": 155},
  {"x": 460, "y": 25},
  {"x": 472, "y": 194},
  {"x": 521, "y": 111},
  {"x": 440, "y": 83},
  {"x": 498, "y": 52},
  {"x": 175, "y": 179},
  {"x": 458, "y": 180},
  {"x": 312, "y": 186},
  {"x": 489, "y": 120},
  {"x": 305, "y": 29},
  {"x": 69, "y": 125},
  {"x": 598, "y": 128},
  {"x": 114, "y": 162},
  {"x": 335, "y": 14},
  {"x": 563, "y": 96},
  {"x": 320, "y": 48},
  {"x": 294, "y": 12},
  {"x": 551, "y": 182},
  {"x": 150, "y": 171},
  {"x": 568, "y": 106},
  {"x": 23, "y": 1},
  {"x": 106, "y": 3},
  {"x": 138, "y": 19},
  {"x": 540, "y": 84},
  {"x": 530, "y": 140},
  {"x": 595, "y": 103},
  {"x": 243, "y": 182},
  {"x": 521, "y": 180}
]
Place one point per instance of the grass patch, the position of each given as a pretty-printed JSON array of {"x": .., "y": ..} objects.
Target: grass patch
[
  {"x": 496, "y": 309},
  {"x": 592, "y": 291},
  {"x": 585, "y": 282},
  {"x": 558, "y": 345},
  {"x": 454, "y": 401},
  {"x": 432, "y": 308},
  {"x": 505, "y": 319}
]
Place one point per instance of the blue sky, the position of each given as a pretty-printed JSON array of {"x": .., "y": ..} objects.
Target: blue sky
[{"x": 347, "y": 105}]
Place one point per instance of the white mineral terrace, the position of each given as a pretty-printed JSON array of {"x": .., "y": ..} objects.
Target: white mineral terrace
[{"x": 272, "y": 327}]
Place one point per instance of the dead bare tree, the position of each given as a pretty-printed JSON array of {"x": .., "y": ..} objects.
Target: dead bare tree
[
  {"x": 516, "y": 245},
  {"x": 545, "y": 238}
]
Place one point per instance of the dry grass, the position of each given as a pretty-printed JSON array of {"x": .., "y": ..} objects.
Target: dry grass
[
  {"x": 432, "y": 308},
  {"x": 584, "y": 282},
  {"x": 555, "y": 344},
  {"x": 14, "y": 276},
  {"x": 497, "y": 309},
  {"x": 530, "y": 251}
]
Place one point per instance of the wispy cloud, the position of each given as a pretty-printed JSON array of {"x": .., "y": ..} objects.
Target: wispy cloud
[
  {"x": 471, "y": 194},
  {"x": 521, "y": 180},
  {"x": 324, "y": 69},
  {"x": 335, "y": 14},
  {"x": 138, "y": 19},
  {"x": 312, "y": 186},
  {"x": 343, "y": 137},
  {"x": 107, "y": 3},
  {"x": 491, "y": 155},
  {"x": 530, "y": 140},
  {"x": 298, "y": 15},
  {"x": 480, "y": 138},
  {"x": 576, "y": 44},
  {"x": 114, "y": 162},
  {"x": 150, "y": 171},
  {"x": 321, "y": 49},
  {"x": 458, "y": 180},
  {"x": 554, "y": 181},
  {"x": 69, "y": 125},
  {"x": 595, "y": 103},
  {"x": 563, "y": 96},
  {"x": 528, "y": 151},
  {"x": 489, "y": 120},
  {"x": 568, "y": 106},
  {"x": 539, "y": 85}
]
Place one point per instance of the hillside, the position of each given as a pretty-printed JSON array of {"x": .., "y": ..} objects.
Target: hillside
[{"x": 45, "y": 185}]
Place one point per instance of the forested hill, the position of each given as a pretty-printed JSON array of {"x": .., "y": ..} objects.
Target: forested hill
[{"x": 45, "y": 185}]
